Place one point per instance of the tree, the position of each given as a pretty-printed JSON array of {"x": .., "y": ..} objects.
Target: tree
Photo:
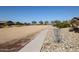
[
  {"x": 9, "y": 23},
  {"x": 19, "y": 23},
  {"x": 34, "y": 22},
  {"x": 26, "y": 23},
  {"x": 52, "y": 22},
  {"x": 57, "y": 21},
  {"x": 63, "y": 24},
  {"x": 41, "y": 22},
  {"x": 46, "y": 22}
]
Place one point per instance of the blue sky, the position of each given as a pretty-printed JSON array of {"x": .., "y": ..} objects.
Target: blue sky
[{"x": 38, "y": 13}]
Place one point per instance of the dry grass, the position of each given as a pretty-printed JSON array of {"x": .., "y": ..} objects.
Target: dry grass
[
  {"x": 14, "y": 38},
  {"x": 8, "y": 34}
]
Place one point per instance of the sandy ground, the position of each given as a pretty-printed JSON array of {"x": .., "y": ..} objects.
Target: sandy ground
[
  {"x": 69, "y": 41},
  {"x": 15, "y": 33}
]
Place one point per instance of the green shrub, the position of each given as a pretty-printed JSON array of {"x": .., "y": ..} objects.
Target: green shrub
[
  {"x": 41, "y": 22},
  {"x": 63, "y": 24}
]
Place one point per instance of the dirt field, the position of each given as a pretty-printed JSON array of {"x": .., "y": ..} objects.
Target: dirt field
[{"x": 8, "y": 36}]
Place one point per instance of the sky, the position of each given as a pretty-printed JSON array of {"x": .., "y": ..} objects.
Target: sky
[{"x": 38, "y": 13}]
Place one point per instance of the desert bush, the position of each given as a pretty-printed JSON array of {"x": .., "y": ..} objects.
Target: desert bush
[
  {"x": 9, "y": 23},
  {"x": 34, "y": 22},
  {"x": 63, "y": 24},
  {"x": 40, "y": 22},
  {"x": 19, "y": 23},
  {"x": 46, "y": 23},
  {"x": 27, "y": 24}
]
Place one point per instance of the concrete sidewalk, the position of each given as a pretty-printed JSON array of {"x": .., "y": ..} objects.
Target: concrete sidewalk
[{"x": 36, "y": 43}]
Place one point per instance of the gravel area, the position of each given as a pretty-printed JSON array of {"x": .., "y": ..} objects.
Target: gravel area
[{"x": 69, "y": 41}]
